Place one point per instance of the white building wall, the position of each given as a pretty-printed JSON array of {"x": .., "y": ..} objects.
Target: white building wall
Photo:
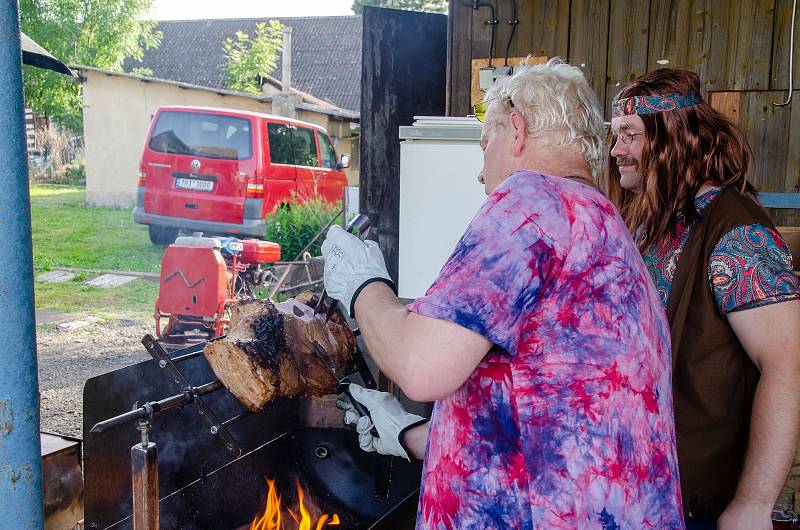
[{"x": 117, "y": 112}]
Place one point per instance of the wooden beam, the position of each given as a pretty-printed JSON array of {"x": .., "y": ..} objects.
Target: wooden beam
[
  {"x": 629, "y": 28},
  {"x": 779, "y": 200},
  {"x": 550, "y": 27},
  {"x": 708, "y": 41},
  {"x": 767, "y": 130},
  {"x": 588, "y": 41},
  {"x": 459, "y": 55},
  {"x": 791, "y": 181},
  {"x": 728, "y": 104},
  {"x": 751, "y": 26},
  {"x": 779, "y": 77}
]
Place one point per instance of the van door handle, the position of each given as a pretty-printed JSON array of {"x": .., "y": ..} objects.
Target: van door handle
[{"x": 191, "y": 206}]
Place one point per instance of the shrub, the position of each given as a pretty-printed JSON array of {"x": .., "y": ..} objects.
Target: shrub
[
  {"x": 57, "y": 158},
  {"x": 75, "y": 173},
  {"x": 294, "y": 225}
]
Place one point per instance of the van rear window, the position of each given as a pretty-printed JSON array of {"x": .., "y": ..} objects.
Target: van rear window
[{"x": 206, "y": 135}]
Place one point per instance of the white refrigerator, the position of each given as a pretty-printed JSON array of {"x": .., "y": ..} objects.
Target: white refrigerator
[{"x": 440, "y": 159}]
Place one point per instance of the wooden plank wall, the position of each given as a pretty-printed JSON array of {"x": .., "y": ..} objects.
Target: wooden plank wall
[{"x": 740, "y": 47}]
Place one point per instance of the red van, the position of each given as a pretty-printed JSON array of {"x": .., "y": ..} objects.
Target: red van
[{"x": 222, "y": 171}]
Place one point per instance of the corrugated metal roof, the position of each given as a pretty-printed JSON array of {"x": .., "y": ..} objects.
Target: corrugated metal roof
[{"x": 326, "y": 54}]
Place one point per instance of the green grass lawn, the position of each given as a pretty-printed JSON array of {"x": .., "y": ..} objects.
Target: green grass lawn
[
  {"x": 134, "y": 299},
  {"x": 68, "y": 234}
]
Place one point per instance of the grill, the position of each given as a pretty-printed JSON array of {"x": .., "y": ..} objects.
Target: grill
[{"x": 213, "y": 457}]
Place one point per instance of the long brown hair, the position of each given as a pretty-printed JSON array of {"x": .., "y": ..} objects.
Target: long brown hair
[{"x": 684, "y": 149}]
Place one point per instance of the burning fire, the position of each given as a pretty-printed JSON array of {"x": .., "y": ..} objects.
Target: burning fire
[{"x": 272, "y": 519}]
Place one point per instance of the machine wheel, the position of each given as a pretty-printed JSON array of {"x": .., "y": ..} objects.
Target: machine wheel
[
  {"x": 162, "y": 235},
  {"x": 299, "y": 277}
]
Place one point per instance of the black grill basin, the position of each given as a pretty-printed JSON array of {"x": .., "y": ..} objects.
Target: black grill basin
[{"x": 202, "y": 486}]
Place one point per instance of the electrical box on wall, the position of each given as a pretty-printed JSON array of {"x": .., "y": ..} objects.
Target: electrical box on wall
[
  {"x": 484, "y": 76},
  {"x": 487, "y": 76}
]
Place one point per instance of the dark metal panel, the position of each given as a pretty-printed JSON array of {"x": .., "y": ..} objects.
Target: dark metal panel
[
  {"x": 336, "y": 474},
  {"x": 187, "y": 450},
  {"x": 402, "y": 76}
]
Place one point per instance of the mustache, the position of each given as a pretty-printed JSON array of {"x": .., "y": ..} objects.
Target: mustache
[{"x": 626, "y": 161}]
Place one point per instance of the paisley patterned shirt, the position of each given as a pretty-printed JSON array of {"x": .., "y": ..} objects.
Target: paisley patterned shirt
[
  {"x": 750, "y": 266},
  {"x": 567, "y": 422}
]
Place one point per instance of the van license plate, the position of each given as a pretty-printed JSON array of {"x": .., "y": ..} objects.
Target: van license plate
[{"x": 183, "y": 183}]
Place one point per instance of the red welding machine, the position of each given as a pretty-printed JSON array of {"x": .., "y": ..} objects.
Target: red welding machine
[{"x": 203, "y": 277}]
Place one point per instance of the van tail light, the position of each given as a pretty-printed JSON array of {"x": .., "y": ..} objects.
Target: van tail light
[
  {"x": 142, "y": 178},
  {"x": 255, "y": 187}
]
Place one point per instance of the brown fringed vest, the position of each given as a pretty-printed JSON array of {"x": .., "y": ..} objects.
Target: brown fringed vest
[{"x": 713, "y": 379}]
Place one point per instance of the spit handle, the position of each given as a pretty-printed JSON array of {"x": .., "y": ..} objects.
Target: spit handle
[
  {"x": 361, "y": 224},
  {"x": 343, "y": 386}
]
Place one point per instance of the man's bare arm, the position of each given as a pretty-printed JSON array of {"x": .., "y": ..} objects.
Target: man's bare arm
[
  {"x": 416, "y": 439},
  {"x": 771, "y": 337},
  {"x": 427, "y": 357}
]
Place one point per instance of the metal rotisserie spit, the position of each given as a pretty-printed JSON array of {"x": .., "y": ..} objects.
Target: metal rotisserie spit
[{"x": 166, "y": 446}]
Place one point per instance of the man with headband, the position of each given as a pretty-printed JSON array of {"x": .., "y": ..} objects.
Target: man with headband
[
  {"x": 678, "y": 174},
  {"x": 542, "y": 340}
]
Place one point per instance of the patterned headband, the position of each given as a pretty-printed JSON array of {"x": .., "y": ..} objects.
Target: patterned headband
[{"x": 654, "y": 103}]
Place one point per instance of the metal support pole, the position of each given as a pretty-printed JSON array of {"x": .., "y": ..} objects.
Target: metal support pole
[
  {"x": 20, "y": 445},
  {"x": 144, "y": 476}
]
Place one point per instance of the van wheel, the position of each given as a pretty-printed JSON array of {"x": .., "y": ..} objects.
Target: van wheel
[{"x": 162, "y": 235}]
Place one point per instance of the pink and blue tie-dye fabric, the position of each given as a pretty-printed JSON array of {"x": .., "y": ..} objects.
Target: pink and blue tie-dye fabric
[{"x": 567, "y": 422}]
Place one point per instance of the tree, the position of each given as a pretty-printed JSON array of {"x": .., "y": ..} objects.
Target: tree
[
  {"x": 99, "y": 33},
  {"x": 432, "y": 6},
  {"x": 251, "y": 60}
]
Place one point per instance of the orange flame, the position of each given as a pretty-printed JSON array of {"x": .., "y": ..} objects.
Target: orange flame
[{"x": 272, "y": 519}]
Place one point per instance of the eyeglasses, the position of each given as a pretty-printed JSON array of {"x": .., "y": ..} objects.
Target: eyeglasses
[
  {"x": 624, "y": 134},
  {"x": 479, "y": 108}
]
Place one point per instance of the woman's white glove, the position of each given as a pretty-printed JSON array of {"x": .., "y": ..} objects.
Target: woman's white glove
[
  {"x": 388, "y": 417},
  {"x": 351, "y": 265}
]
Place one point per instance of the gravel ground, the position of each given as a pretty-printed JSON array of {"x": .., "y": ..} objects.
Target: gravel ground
[{"x": 67, "y": 358}]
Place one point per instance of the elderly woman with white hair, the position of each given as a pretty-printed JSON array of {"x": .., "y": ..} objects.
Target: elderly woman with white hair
[{"x": 542, "y": 341}]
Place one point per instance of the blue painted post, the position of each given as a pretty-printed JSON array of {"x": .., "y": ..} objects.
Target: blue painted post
[{"x": 20, "y": 447}]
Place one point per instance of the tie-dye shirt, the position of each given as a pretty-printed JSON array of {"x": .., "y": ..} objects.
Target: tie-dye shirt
[{"x": 567, "y": 422}]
